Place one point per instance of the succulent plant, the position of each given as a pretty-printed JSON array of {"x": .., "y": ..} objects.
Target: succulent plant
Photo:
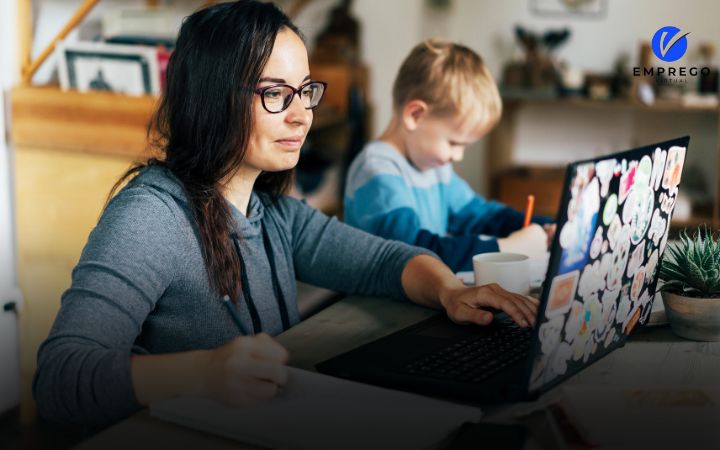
[{"x": 691, "y": 266}]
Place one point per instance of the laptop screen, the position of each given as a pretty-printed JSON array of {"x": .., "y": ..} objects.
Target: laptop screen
[{"x": 613, "y": 226}]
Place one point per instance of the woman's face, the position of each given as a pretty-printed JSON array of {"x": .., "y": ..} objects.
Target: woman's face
[{"x": 275, "y": 139}]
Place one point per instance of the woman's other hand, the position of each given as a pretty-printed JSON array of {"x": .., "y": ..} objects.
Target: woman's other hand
[{"x": 246, "y": 370}]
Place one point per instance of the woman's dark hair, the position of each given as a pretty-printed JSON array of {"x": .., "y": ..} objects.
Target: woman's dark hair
[{"x": 204, "y": 119}]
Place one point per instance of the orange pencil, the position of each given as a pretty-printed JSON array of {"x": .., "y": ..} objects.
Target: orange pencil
[{"x": 529, "y": 209}]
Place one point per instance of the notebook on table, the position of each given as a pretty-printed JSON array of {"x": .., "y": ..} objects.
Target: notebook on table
[{"x": 314, "y": 411}]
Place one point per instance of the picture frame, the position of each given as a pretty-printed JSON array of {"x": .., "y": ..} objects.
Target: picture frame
[
  {"x": 97, "y": 66},
  {"x": 591, "y": 9}
]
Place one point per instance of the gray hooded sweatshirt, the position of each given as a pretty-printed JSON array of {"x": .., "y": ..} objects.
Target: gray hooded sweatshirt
[{"x": 141, "y": 287}]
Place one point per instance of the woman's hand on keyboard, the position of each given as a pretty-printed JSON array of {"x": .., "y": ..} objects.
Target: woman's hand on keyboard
[
  {"x": 429, "y": 282},
  {"x": 468, "y": 305}
]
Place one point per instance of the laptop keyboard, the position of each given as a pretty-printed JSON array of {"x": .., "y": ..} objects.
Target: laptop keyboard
[{"x": 474, "y": 358}]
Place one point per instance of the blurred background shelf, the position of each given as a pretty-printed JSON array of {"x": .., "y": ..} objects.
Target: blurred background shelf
[
  {"x": 511, "y": 180},
  {"x": 659, "y": 105}
]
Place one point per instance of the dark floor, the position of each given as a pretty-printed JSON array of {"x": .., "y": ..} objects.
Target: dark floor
[{"x": 38, "y": 436}]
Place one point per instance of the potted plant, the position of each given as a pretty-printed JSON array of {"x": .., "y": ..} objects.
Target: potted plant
[{"x": 690, "y": 271}]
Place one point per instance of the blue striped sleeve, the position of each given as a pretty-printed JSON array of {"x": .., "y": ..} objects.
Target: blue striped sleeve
[
  {"x": 455, "y": 251},
  {"x": 370, "y": 205},
  {"x": 384, "y": 206},
  {"x": 472, "y": 214}
]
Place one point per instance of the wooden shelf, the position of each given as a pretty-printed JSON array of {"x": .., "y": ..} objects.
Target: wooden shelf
[
  {"x": 501, "y": 142},
  {"x": 546, "y": 183},
  {"x": 616, "y": 104},
  {"x": 97, "y": 122},
  {"x": 692, "y": 223}
]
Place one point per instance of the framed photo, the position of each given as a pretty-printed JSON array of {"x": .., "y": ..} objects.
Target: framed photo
[
  {"x": 97, "y": 66},
  {"x": 569, "y": 8}
]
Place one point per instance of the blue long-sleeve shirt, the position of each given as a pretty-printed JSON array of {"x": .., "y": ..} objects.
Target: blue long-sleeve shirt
[{"x": 436, "y": 209}]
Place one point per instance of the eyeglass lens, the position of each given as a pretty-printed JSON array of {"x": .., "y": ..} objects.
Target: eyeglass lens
[{"x": 278, "y": 98}]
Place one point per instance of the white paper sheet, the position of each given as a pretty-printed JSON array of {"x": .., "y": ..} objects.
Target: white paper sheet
[{"x": 315, "y": 411}]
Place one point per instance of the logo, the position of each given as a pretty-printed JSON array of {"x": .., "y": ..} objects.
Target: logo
[{"x": 669, "y": 44}]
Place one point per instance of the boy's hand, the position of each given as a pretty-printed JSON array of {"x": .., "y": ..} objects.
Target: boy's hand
[
  {"x": 550, "y": 229},
  {"x": 531, "y": 241}
]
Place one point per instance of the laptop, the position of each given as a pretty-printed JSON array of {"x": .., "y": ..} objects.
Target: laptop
[{"x": 612, "y": 229}]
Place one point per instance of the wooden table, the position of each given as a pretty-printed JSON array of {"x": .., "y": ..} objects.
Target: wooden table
[{"x": 654, "y": 357}]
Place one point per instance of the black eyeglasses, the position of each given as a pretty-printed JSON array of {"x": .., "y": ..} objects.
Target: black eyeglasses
[{"x": 278, "y": 97}]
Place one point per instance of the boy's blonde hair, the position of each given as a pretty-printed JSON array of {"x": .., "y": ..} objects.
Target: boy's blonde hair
[{"x": 452, "y": 79}]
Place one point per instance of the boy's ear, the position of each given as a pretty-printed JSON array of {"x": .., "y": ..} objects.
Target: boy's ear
[{"x": 413, "y": 112}]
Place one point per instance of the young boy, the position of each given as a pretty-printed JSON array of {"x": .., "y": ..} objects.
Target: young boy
[{"x": 403, "y": 186}]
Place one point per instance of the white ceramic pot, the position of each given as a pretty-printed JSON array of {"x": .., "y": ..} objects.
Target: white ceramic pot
[{"x": 693, "y": 318}]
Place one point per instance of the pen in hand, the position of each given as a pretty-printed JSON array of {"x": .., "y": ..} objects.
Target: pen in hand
[
  {"x": 529, "y": 210},
  {"x": 236, "y": 318}
]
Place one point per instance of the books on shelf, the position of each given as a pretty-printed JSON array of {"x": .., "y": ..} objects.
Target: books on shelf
[{"x": 150, "y": 23}]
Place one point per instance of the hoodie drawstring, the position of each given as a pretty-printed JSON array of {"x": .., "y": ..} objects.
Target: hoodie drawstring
[
  {"x": 276, "y": 288},
  {"x": 257, "y": 324},
  {"x": 247, "y": 296}
]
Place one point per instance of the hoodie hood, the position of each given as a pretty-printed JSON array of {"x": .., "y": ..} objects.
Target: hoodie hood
[
  {"x": 163, "y": 180},
  {"x": 264, "y": 298}
]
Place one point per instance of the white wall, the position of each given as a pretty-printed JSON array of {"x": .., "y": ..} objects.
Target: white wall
[
  {"x": 546, "y": 135},
  {"x": 486, "y": 25},
  {"x": 9, "y": 350},
  {"x": 390, "y": 29}
]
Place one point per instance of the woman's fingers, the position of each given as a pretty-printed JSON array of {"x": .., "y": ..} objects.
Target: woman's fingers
[
  {"x": 246, "y": 370},
  {"x": 524, "y": 315},
  {"x": 532, "y": 300},
  {"x": 528, "y": 304},
  {"x": 468, "y": 307},
  {"x": 269, "y": 371},
  {"x": 530, "y": 309},
  {"x": 262, "y": 346},
  {"x": 463, "y": 314},
  {"x": 514, "y": 305},
  {"x": 262, "y": 358}
]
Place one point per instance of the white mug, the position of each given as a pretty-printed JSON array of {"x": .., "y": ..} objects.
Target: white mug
[{"x": 510, "y": 270}]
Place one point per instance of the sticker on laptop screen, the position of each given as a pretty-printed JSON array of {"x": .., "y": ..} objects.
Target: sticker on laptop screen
[
  {"x": 673, "y": 168},
  {"x": 578, "y": 232},
  {"x": 562, "y": 293}
]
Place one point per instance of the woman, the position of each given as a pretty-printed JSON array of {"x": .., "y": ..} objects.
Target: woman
[{"x": 145, "y": 318}]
